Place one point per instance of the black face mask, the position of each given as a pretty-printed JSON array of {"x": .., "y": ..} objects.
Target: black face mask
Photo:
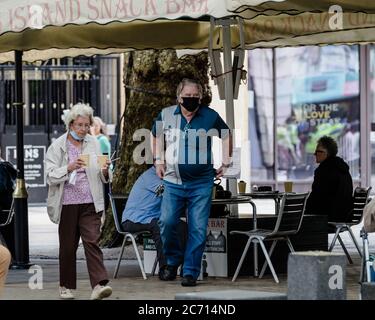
[{"x": 190, "y": 103}]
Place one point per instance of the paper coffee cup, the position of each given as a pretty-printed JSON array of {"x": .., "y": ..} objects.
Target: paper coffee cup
[
  {"x": 288, "y": 186},
  {"x": 102, "y": 160},
  {"x": 241, "y": 186},
  {"x": 85, "y": 158}
]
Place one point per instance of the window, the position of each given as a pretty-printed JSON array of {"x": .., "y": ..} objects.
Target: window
[
  {"x": 261, "y": 116},
  {"x": 317, "y": 93}
]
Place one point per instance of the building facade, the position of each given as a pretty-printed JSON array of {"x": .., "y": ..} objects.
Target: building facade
[{"x": 49, "y": 88}]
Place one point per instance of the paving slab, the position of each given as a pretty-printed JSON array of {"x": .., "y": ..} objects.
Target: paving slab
[{"x": 231, "y": 295}]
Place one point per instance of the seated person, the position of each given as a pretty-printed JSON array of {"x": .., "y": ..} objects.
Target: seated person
[
  {"x": 7, "y": 179},
  {"x": 332, "y": 188},
  {"x": 4, "y": 265},
  {"x": 143, "y": 209}
]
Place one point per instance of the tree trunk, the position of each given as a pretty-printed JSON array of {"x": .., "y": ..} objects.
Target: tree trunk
[{"x": 150, "y": 78}]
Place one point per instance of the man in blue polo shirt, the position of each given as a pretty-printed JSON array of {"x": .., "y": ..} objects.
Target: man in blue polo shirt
[
  {"x": 142, "y": 210},
  {"x": 188, "y": 173}
]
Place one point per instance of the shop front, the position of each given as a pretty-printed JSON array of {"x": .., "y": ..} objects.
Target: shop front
[{"x": 301, "y": 94}]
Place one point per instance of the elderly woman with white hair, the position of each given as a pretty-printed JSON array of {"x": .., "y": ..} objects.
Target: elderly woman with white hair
[{"x": 75, "y": 200}]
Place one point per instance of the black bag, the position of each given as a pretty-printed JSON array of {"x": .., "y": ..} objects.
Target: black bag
[
  {"x": 265, "y": 189},
  {"x": 220, "y": 210}
]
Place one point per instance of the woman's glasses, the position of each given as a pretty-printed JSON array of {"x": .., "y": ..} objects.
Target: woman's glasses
[
  {"x": 80, "y": 126},
  {"x": 319, "y": 152}
]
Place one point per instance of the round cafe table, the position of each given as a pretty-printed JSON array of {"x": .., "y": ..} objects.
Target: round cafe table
[
  {"x": 244, "y": 198},
  {"x": 275, "y": 195}
]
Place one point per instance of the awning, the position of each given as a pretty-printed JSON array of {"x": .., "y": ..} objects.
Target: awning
[{"x": 57, "y": 28}]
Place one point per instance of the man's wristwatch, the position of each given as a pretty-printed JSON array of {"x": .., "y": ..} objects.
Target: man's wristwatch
[{"x": 158, "y": 160}]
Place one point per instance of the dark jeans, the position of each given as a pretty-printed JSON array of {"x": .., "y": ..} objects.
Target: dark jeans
[
  {"x": 196, "y": 198},
  {"x": 152, "y": 227}
]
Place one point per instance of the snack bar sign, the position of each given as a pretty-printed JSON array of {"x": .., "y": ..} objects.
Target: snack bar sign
[{"x": 34, "y": 163}]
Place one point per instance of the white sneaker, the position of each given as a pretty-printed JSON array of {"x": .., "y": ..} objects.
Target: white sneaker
[
  {"x": 66, "y": 293},
  {"x": 101, "y": 292}
]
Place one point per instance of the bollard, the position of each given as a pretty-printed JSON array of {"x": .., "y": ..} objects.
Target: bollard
[
  {"x": 367, "y": 291},
  {"x": 316, "y": 275},
  {"x": 234, "y": 294}
]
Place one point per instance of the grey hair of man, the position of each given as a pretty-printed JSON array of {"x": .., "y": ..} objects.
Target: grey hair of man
[
  {"x": 187, "y": 81},
  {"x": 79, "y": 110},
  {"x": 329, "y": 144}
]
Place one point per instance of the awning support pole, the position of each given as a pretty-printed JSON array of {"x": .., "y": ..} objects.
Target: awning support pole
[
  {"x": 229, "y": 74},
  {"x": 21, "y": 225}
]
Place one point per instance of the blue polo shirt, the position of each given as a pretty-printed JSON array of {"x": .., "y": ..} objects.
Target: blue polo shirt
[
  {"x": 195, "y": 159},
  {"x": 143, "y": 203}
]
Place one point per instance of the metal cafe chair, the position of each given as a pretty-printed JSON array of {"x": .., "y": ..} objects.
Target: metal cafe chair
[
  {"x": 118, "y": 204},
  {"x": 289, "y": 220},
  {"x": 360, "y": 199},
  {"x": 8, "y": 215}
]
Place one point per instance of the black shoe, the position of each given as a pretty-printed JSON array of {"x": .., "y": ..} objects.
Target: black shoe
[
  {"x": 188, "y": 281},
  {"x": 168, "y": 273}
]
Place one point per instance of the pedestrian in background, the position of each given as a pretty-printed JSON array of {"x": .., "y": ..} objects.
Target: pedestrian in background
[
  {"x": 99, "y": 130},
  {"x": 75, "y": 200}
]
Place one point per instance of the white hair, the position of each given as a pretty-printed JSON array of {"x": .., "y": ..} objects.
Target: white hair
[
  {"x": 78, "y": 110},
  {"x": 186, "y": 81}
]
